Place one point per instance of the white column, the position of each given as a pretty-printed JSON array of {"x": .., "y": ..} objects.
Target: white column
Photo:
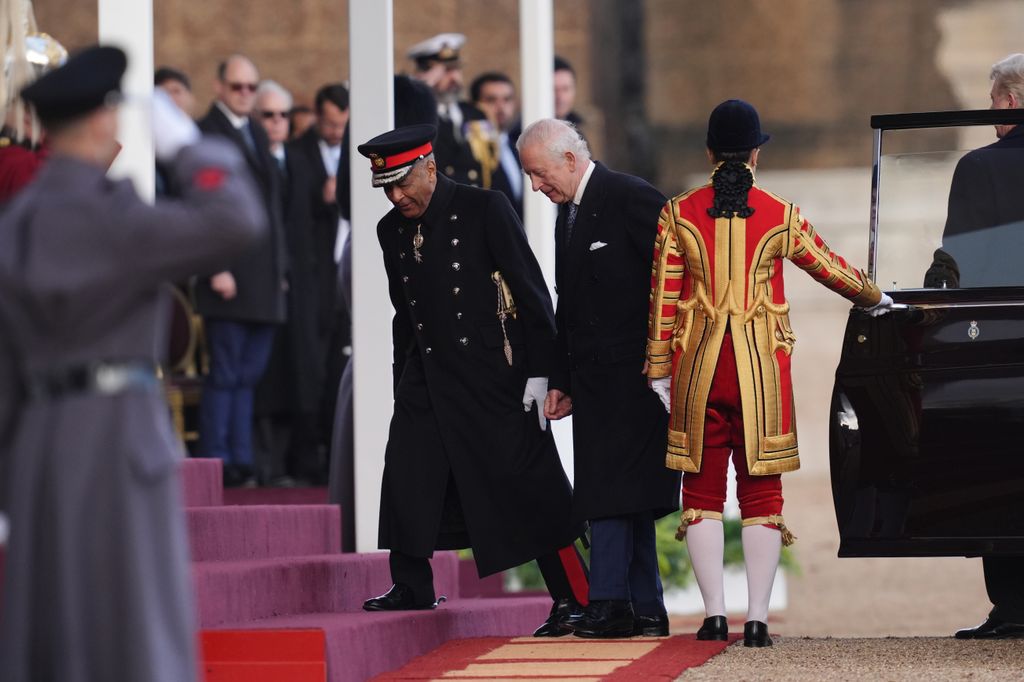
[
  {"x": 537, "y": 56},
  {"x": 128, "y": 24},
  {"x": 371, "y": 40}
]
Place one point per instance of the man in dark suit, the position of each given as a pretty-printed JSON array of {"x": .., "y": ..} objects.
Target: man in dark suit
[
  {"x": 288, "y": 395},
  {"x": 604, "y": 240},
  {"x": 474, "y": 335},
  {"x": 320, "y": 149},
  {"x": 494, "y": 94},
  {"x": 985, "y": 193},
  {"x": 241, "y": 306}
]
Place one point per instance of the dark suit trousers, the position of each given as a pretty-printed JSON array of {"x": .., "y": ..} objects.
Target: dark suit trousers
[
  {"x": 624, "y": 562},
  {"x": 239, "y": 352},
  {"x": 564, "y": 573},
  {"x": 1004, "y": 581}
]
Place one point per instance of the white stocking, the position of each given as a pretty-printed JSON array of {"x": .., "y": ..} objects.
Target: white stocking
[
  {"x": 761, "y": 548},
  {"x": 705, "y": 541}
]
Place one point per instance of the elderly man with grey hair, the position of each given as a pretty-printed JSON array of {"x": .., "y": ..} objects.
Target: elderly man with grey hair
[
  {"x": 604, "y": 241},
  {"x": 288, "y": 394},
  {"x": 985, "y": 193}
]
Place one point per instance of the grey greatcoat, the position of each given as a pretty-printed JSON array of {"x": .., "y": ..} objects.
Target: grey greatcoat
[{"x": 97, "y": 583}]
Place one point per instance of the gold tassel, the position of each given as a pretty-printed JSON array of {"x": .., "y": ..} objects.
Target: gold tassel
[
  {"x": 690, "y": 516},
  {"x": 774, "y": 520}
]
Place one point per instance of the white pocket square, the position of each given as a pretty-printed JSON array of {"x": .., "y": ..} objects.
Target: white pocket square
[{"x": 597, "y": 245}]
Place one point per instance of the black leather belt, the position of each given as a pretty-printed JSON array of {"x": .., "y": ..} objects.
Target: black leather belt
[{"x": 99, "y": 378}]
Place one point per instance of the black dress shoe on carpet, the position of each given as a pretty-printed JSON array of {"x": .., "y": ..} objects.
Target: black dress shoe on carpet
[
  {"x": 559, "y": 620},
  {"x": 650, "y": 626},
  {"x": 714, "y": 629},
  {"x": 755, "y": 633},
  {"x": 399, "y": 598},
  {"x": 993, "y": 629},
  {"x": 605, "y": 618}
]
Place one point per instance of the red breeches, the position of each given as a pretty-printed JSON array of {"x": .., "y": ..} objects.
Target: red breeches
[{"x": 723, "y": 434}]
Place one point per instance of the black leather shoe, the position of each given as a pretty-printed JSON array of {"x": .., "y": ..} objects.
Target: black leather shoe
[
  {"x": 399, "y": 598},
  {"x": 559, "y": 620},
  {"x": 606, "y": 618},
  {"x": 993, "y": 629},
  {"x": 714, "y": 629},
  {"x": 650, "y": 626},
  {"x": 755, "y": 633}
]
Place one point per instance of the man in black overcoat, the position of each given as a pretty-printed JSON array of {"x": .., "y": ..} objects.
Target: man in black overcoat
[
  {"x": 604, "y": 241},
  {"x": 469, "y": 461},
  {"x": 986, "y": 193},
  {"x": 241, "y": 306},
  {"x": 321, "y": 149}
]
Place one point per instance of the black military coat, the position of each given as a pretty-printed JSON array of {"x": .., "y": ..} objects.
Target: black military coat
[
  {"x": 604, "y": 280},
  {"x": 458, "y": 414},
  {"x": 261, "y": 272}
]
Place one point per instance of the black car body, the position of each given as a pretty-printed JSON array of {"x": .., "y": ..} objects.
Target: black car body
[{"x": 927, "y": 415}]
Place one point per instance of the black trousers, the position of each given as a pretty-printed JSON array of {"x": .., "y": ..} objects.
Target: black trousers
[
  {"x": 564, "y": 572},
  {"x": 1004, "y": 581}
]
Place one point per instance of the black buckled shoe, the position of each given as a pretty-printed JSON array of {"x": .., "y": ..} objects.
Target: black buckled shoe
[
  {"x": 992, "y": 628},
  {"x": 559, "y": 622},
  {"x": 399, "y": 598},
  {"x": 650, "y": 626},
  {"x": 714, "y": 629},
  {"x": 605, "y": 618},
  {"x": 755, "y": 634}
]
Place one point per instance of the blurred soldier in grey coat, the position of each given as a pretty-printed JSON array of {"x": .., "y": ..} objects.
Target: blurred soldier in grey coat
[{"x": 97, "y": 583}]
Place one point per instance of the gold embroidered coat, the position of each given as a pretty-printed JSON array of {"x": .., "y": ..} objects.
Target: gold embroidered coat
[{"x": 710, "y": 274}]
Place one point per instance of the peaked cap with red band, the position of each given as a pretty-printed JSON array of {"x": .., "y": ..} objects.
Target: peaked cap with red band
[{"x": 392, "y": 154}]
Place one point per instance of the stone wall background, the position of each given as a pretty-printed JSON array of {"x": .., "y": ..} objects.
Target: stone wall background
[{"x": 816, "y": 69}]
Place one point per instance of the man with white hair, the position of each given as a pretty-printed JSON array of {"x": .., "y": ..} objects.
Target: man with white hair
[
  {"x": 985, "y": 193},
  {"x": 604, "y": 239},
  {"x": 980, "y": 177}
]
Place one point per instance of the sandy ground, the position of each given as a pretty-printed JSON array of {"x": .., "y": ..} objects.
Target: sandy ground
[{"x": 866, "y": 659}]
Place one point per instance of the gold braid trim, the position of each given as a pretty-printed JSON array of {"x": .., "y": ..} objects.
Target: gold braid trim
[
  {"x": 692, "y": 515},
  {"x": 774, "y": 520}
]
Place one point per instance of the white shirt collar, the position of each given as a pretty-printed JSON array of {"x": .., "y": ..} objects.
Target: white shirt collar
[
  {"x": 330, "y": 155},
  {"x": 236, "y": 120},
  {"x": 583, "y": 182}
]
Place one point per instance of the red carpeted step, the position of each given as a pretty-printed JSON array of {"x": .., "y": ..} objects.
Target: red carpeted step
[
  {"x": 202, "y": 482},
  {"x": 361, "y": 645},
  {"x": 241, "y": 591},
  {"x": 296, "y": 655},
  {"x": 263, "y": 532}
]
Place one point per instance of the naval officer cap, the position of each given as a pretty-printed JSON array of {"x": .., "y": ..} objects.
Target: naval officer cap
[
  {"x": 444, "y": 47},
  {"x": 87, "y": 81},
  {"x": 393, "y": 154}
]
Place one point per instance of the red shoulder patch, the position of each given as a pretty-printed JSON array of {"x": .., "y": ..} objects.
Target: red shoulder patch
[{"x": 208, "y": 179}]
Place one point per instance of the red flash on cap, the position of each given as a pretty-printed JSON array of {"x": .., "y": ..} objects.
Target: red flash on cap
[{"x": 390, "y": 162}]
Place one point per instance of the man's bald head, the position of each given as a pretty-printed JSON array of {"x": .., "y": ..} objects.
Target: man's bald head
[{"x": 237, "y": 80}]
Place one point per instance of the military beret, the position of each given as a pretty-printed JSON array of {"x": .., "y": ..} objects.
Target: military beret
[
  {"x": 393, "y": 153},
  {"x": 444, "y": 47},
  {"x": 87, "y": 81},
  {"x": 734, "y": 126}
]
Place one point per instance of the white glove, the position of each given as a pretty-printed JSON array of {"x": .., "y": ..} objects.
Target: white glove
[
  {"x": 172, "y": 128},
  {"x": 882, "y": 307},
  {"x": 663, "y": 387},
  {"x": 536, "y": 391}
]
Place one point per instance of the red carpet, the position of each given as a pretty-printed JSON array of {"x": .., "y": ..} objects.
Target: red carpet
[{"x": 567, "y": 658}]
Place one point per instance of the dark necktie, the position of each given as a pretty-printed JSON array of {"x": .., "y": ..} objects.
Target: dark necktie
[
  {"x": 570, "y": 221},
  {"x": 250, "y": 141}
]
